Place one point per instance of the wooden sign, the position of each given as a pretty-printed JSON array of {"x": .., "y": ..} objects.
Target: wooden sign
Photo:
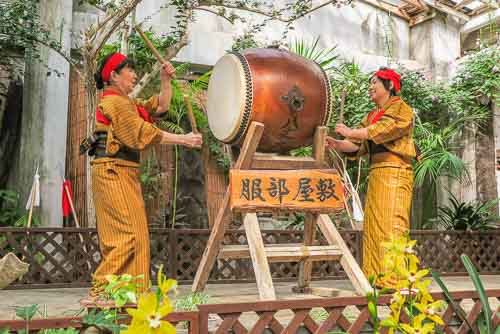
[{"x": 318, "y": 190}]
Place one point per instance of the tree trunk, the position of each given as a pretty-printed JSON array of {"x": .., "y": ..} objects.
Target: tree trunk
[
  {"x": 486, "y": 184},
  {"x": 11, "y": 96}
]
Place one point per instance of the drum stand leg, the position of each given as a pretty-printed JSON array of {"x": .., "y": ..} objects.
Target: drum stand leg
[
  {"x": 244, "y": 161},
  {"x": 256, "y": 249}
]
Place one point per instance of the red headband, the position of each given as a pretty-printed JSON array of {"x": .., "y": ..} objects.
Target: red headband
[
  {"x": 390, "y": 75},
  {"x": 111, "y": 65}
]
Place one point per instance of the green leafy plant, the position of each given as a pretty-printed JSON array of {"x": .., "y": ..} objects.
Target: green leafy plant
[
  {"x": 9, "y": 207},
  {"x": 466, "y": 216},
  {"x": 138, "y": 51},
  {"x": 324, "y": 57},
  {"x": 484, "y": 320},
  {"x": 21, "y": 29},
  {"x": 103, "y": 321},
  {"x": 410, "y": 294},
  {"x": 122, "y": 289},
  {"x": 191, "y": 301},
  {"x": 27, "y": 312}
]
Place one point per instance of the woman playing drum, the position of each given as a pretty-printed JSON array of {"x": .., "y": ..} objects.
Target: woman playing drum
[
  {"x": 386, "y": 134},
  {"x": 123, "y": 128}
]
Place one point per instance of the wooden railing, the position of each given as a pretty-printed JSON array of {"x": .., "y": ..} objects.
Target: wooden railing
[
  {"x": 319, "y": 316},
  {"x": 67, "y": 257}
]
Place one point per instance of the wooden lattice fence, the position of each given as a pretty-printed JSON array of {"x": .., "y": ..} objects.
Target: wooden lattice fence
[
  {"x": 67, "y": 257},
  {"x": 319, "y": 316}
]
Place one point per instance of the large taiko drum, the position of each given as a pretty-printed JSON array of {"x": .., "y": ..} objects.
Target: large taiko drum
[{"x": 289, "y": 94}]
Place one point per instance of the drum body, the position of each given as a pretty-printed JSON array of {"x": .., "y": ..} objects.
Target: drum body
[{"x": 289, "y": 94}]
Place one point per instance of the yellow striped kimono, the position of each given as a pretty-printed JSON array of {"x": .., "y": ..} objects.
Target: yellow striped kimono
[
  {"x": 390, "y": 181},
  {"x": 121, "y": 216}
]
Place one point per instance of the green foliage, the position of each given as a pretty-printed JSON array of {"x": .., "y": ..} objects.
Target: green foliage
[
  {"x": 322, "y": 56},
  {"x": 349, "y": 77},
  {"x": 191, "y": 301},
  {"x": 484, "y": 320},
  {"x": 466, "y": 216},
  {"x": 11, "y": 214},
  {"x": 20, "y": 28},
  {"x": 122, "y": 289},
  {"x": 138, "y": 51},
  {"x": 104, "y": 321},
  {"x": 479, "y": 75},
  {"x": 149, "y": 176},
  {"x": 28, "y": 312},
  {"x": 4, "y": 331},
  {"x": 9, "y": 207},
  {"x": 245, "y": 41},
  {"x": 456, "y": 307},
  {"x": 442, "y": 111}
]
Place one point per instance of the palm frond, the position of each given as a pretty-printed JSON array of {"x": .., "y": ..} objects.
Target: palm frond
[{"x": 324, "y": 57}]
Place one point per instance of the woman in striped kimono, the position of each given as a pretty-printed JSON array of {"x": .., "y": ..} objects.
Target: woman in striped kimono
[
  {"x": 386, "y": 135},
  {"x": 123, "y": 128}
]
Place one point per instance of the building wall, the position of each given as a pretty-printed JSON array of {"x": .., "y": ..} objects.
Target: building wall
[
  {"x": 360, "y": 32},
  {"x": 45, "y": 109}
]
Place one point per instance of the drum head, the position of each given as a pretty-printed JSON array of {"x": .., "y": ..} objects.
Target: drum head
[{"x": 226, "y": 98}]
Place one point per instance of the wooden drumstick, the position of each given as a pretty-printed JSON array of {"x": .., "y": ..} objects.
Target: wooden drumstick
[
  {"x": 151, "y": 47},
  {"x": 189, "y": 107},
  {"x": 342, "y": 104}
]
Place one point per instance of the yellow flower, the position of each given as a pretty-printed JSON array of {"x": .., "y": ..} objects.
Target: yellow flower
[
  {"x": 430, "y": 311},
  {"x": 146, "y": 319},
  {"x": 164, "y": 284},
  {"x": 418, "y": 326}
]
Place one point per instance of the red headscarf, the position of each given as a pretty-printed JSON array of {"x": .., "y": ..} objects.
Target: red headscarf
[
  {"x": 111, "y": 65},
  {"x": 389, "y": 74}
]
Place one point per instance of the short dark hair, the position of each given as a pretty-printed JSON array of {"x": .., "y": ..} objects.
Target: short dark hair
[
  {"x": 99, "y": 82},
  {"x": 386, "y": 82}
]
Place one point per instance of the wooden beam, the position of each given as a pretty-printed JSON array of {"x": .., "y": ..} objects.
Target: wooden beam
[
  {"x": 415, "y": 3},
  {"x": 462, "y": 3},
  {"x": 348, "y": 262},
  {"x": 259, "y": 257},
  {"x": 480, "y": 21},
  {"x": 271, "y": 161},
  {"x": 284, "y": 253},
  {"x": 448, "y": 10},
  {"x": 305, "y": 268},
  {"x": 421, "y": 18},
  {"x": 318, "y": 149},
  {"x": 388, "y": 8},
  {"x": 479, "y": 10},
  {"x": 491, "y": 3}
]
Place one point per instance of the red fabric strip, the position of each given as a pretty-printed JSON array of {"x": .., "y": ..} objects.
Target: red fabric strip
[
  {"x": 390, "y": 75},
  {"x": 100, "y": 118},
  {"x": 112, "y": 63},
  {"x": 66, "y": 207}
]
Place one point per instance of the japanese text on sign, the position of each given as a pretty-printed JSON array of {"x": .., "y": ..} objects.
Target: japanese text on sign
[{"x": 307, "y": 189}]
